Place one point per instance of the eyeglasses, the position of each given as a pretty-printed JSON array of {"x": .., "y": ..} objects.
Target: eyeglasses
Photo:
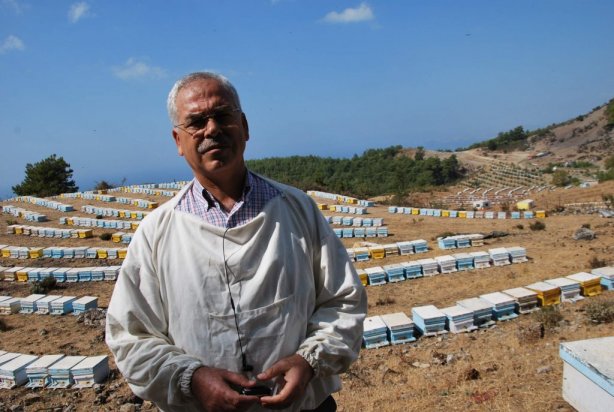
[{"x": 197, "y": 123}]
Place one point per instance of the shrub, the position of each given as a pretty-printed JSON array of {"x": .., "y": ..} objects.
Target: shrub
[
  {"x": 445, "y": 234},
  {"x": 537, "y": 225},
  {"x": 520, "y": 226},
  {"x": 586, "y": 225},
  {"x": 549, "y": 316},
  {"x": 3, "y": 326},
  {"x": 600, "y": 311},
  {"x": 10, "y": 222},
  {"x": 384, "y": 301},
  {"x": 43, "y": 286},
  {"x": 595, "y": 262},
  {"x": 106, "y": 236}
]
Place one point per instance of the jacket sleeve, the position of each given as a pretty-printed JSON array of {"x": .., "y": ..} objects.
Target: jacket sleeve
[
  {"x": 136, "y": 333},
  {"x": 334, "y": 332}
]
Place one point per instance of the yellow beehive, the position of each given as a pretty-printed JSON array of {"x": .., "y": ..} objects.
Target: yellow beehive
[
  {"x": 332, "y": 208},
  {"x": 22, "y": 275},
  {"x": 117, "y": 237},
  {"x": 462, "y": 214},
  {"x": 133, "y": 215},
  {"x": 102, "y": 254},
  {"x": 540, "y": 213},
  {"x": 97, "y": 197},
  {"x": 122, "y": 213},
  {"x": 590, "y": 285},
  {"x": 121, "y": 253},
  {"x": 134, "y": 225},
  {"x": 377, "y": 252},
  {"x": 35, "y": 252},
  {"x": 6, "y": 252},
  {"x": 85, "y": 233},
  {"x": 152, "y": 205},
  {"x": 70, "y": 221},
  {"x": 362, "y": 275},
  {"x": 415, "y": 211},
  {"x": 18, "y": 230},
  {"x": 445, "y": 213},
  {"x": 547, "y": 294}
]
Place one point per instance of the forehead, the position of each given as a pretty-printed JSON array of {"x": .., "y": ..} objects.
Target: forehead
[{"x": 202, "y": 95}]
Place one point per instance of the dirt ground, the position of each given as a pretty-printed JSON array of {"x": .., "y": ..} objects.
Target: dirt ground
[{"x": 508, "y": 367}]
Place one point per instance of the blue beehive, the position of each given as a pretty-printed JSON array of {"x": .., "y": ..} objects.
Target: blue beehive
[
  {"x": 420, "y": 246},
  {"x": 394, "y": 272},
  {"x": 382, "y": 231},
  {"x": 85, "y": 274},
  {"x": 348, "y": 232},
  {"x": 338, "y": 232},
  {"x": 83, "y": 304},
  {"x": 400, "y": 328},
  {"x": 360, "y": 232},
  {"x": 376, "y": 275},
  {"x": 446, "y": 243},
  {"x": 374, "y": 333},
  {"x": 429, "y": 320},
  {"x": 412, "y": 269},
  {"x": 464, "y": 261}
]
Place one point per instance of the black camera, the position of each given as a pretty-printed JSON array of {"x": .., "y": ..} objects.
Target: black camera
[{"x": 258, "y": 390}]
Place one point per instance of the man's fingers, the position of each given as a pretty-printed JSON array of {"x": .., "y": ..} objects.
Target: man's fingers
[
  {"x": 238, "y": 379},
  {"x": 275, "y": 370}
]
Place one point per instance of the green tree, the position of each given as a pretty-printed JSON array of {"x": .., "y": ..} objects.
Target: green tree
[
  {"x": 103, "y": 185},
  {"x": 49, "y": 177},
  {"x": 561, "y": 178}
]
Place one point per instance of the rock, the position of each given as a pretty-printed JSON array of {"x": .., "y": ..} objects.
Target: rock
[
  {"x": 544, "y": 369},
  {"x": 495, "y": 234},
  {"x": 127, "y": 407},
  {"x": 420, "y": 365},
  {"x": 43, "y": 332},
  {"x": 15, "y": 408},
  {"x": 584, "y": 234},
  {"x": 98, "y": 388},
  {"x": 31, "y": 398},
  {"x": 93, "y": 317}
]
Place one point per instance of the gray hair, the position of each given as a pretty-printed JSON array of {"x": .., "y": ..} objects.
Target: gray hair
[{"x": 171, "y": 102}]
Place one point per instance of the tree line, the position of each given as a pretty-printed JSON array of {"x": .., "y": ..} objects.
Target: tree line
[{"x": 375, "y": 172}]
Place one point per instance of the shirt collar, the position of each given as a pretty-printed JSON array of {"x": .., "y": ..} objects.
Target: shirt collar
[{"x": 210, "y": 200}]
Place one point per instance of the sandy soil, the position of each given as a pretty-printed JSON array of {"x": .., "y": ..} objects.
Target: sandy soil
[{"x": 504, "y": 368}]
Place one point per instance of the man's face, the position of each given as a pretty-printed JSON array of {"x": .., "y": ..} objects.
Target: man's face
[{"x": 212, "y": 145}]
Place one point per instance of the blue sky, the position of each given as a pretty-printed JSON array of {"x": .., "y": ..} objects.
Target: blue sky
[{"x": 88, "y": 80}]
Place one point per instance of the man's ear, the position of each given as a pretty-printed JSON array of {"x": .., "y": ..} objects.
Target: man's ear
[
  {"x": 245, "y": 126},
  {"x": 177, "y": 142}
]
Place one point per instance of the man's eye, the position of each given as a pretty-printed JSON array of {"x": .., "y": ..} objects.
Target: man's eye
[{"x": 198, "y": 123}]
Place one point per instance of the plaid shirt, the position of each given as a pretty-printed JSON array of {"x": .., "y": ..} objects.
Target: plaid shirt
[{"x": 256, "y": 193}]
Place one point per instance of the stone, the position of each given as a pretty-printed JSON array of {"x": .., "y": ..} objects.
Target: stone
[
  {"x": 544, "y": 369},
  {"x": 584, "y": 234},
  {"x": 127, "y": 407},
  {"x": 43, "y": 332}
]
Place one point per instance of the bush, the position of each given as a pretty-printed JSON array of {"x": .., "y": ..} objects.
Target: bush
[
  {"x": 10, "y": 222},
  {"x": 520, "y": 226},
  {"x": 44, "y": 286},
  {"x": 549, "y": 316},
  {"x": 595, "y": 262},
  {"x": 3, "y": 326},
  {"x": 586, "y": 225},
  {"x": 600, "y": 311},
  {"x": 106, "y": 236},
  {"x": 537, "y": 225}
]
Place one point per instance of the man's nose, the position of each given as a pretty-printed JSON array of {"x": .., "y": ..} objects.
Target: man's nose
[{"x": 213, "y": 128}]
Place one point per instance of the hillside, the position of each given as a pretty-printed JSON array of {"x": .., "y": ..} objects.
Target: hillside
[{"x": 586, "y": 138}]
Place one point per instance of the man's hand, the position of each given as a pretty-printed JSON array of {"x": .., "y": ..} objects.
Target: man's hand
[
  {"x": 211, "y": 386},
  {"x": 293, "y": 373}
]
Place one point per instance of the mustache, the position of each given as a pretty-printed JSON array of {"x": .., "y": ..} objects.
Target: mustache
[{"x": 208, "y": 143}]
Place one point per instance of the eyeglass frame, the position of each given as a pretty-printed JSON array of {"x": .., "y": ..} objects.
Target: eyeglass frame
[{"x": 207, "y": 117}]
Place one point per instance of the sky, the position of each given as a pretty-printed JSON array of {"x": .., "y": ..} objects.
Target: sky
[{"x": 88, "y": 80}]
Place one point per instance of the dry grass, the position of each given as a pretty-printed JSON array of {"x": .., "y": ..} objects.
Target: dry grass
[{"x": 512, "y": 366}]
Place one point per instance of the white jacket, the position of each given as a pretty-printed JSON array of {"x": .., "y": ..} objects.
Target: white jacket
[{"x": 294, "y": 287}]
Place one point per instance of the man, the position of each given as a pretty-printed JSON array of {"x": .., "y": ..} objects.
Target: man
[{"x": 235, "y": 294}]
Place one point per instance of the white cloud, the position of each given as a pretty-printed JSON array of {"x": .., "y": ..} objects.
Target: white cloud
[
  {"x": 11, "y": 43},
  {"x": 137, "y": 69},
  {"x": 351, "y": 15},
  {"x": 77, "y": 11},
  {"x": 14, "y": 5}
]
